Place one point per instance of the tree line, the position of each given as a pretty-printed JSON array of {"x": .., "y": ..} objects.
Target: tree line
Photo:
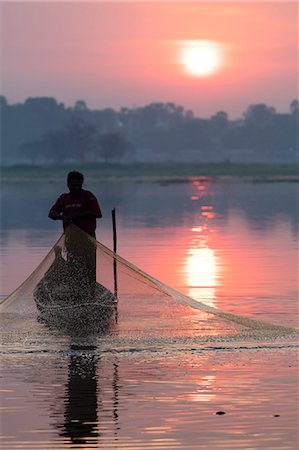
[{"x": 42, "y": 129}]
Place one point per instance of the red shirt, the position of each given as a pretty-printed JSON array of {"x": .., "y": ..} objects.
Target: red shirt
[{"x": 85, "y": 202}]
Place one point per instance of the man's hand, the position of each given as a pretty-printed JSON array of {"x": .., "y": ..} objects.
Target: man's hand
[
  {"x": 67, "y": 220},
  {"x": 56, "y": 216}
]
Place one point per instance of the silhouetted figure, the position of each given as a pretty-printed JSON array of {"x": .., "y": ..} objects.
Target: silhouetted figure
[
  {"x": 78, "y": 206},
  {"x": 81, "y": 208},
  {"x": 69, "y": 291}
]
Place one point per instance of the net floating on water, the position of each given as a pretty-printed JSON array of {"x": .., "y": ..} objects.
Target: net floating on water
[{"x": 75, "y": 283}]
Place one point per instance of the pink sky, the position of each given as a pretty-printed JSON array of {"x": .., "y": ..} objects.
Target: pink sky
[{"x": 117, "y": 54}]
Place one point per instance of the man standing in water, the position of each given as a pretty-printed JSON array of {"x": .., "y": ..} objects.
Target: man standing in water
[
  {"x": 81, "y": 208},
  {"x": 78, "y": 206}
]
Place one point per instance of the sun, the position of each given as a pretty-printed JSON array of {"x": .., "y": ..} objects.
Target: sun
[{"x": 200, "y": 58}]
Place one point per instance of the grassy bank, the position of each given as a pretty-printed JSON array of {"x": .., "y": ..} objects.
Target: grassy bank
[{"x": 151, "y": 171}]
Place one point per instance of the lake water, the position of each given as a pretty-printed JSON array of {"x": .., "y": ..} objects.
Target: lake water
[{"x": 230, "y": 244}]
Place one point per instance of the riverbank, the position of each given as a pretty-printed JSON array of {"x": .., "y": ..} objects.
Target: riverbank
[{"x": 154, "y": 172}]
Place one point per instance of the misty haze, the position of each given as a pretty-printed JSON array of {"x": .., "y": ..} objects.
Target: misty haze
[{"x": 42, "y": 131}]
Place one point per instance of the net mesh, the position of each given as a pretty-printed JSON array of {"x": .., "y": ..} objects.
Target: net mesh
[{"x": 81, "y": 283}]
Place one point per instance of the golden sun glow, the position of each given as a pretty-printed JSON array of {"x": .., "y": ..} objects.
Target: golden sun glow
[
  {"x": 202, "y": 274},
  {"x": 200, "y": 58}
]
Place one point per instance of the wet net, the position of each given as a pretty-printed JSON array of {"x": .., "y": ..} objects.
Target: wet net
[{"x": 82, "y": 285}]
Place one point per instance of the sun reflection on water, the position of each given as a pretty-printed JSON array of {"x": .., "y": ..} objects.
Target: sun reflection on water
[
  {"x": 204, "y": 393},
  {"x": 202, "y": 264},
  {"x": 202, "y": 271}
]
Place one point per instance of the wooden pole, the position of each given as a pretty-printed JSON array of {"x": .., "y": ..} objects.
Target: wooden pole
[
  {"x": 114, "y": 230},
  {"x": 114, "y": 250}
]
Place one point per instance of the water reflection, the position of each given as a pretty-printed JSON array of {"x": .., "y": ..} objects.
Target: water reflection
[
  {"x": 205, "y": 391},
  {"x": 88, "y": 409},
  {"x": 152, "y": 400},
  {"x": 201, "y": 272},
  {"x": 202, "y": 266},
  {"x": 154, "y": 204},
  {"x": 81, "y": 409}
]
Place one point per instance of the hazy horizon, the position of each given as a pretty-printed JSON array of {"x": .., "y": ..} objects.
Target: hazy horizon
[{"x": 284, "y": 110}]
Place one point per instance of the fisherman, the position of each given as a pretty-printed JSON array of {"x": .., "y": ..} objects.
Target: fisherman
[{"x": 79, "y": 207}]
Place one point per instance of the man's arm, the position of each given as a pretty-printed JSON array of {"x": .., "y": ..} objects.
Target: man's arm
[
  {"x": 55, "y": 212},
  {"x": 54, "y": 215}
]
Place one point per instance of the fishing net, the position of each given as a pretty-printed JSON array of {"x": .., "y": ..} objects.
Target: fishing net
[{"x": 82, "y": 285}]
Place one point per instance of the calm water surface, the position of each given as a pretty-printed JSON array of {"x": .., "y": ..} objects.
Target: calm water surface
[{"x": 232, "y": 245}]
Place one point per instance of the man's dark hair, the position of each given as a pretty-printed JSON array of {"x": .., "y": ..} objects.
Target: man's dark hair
[{"x": 75, "y": 176}]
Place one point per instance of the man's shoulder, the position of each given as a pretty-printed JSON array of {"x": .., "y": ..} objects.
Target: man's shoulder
[
  {"x": 64, "y": 196},
  {"x": 87, "y": 194}
]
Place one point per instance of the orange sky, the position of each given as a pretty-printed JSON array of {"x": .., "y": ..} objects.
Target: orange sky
[{"x": 115, "y": 54}]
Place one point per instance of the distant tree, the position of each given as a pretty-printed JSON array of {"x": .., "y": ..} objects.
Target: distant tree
[
  {"x": 294, "y": 108},
  {"x": 221, "y": 118},
  {"x": 258, "y": 127},
  {"x": 80, "y": 138},
  {"x": 55, "y": 145},
  {"x": 80, "y": 105},
  {"x": 3, "y": 102},
  {"x": 42, "y": 128},
  {"x": 42, "y": 105},
  {"x": 32, "y": 150},
  {"x": 189, "y": 115},
  {"x": 218, "y": 126},
  {"x": 192, "y": 135},
  {"x": 159, "y": 115},
  {"x": 174, "y": 111},
  {"x": 107, "y": 120},
  {"x": 283, "y": 137},
  {"x": 259, "y": 115},
  {"x": 114, "y": 146},
  {"x": 238, "y": 136},
  {"x": 51, "y": 146}
]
